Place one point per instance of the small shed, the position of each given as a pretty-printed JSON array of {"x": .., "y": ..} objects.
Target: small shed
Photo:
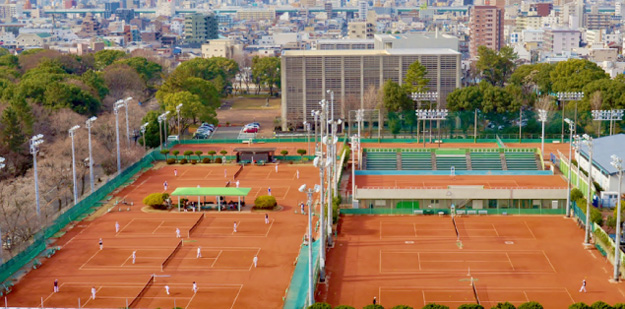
[
  {"x": 254, "y": 154},
  {"x": 211, "y": 191}
]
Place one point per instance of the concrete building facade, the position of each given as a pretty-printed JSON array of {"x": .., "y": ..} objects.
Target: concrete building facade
[
  {"x": 561, "y": 40},
  {"x": 308, "y": 74},
  {"x": 360, "y": 30},
  {"x": 486, "y": 28},
  {"x": 199, "y": 28}
]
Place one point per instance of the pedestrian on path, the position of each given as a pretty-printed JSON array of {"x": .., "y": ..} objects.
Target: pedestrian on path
[
  {"x": 266, "y": 218},
  {"x": 93, "y": 290},
  {"x": 101, "y": 244},
  {"x": 167, "y": 289},
  {"x": 134, "y": 256},
  {"x": 235, "y": 227},
  {"x": 255, "y": 260},
  {"x": 194, "y": 287},
  {"x": 177, "y": 233},
  {"x": 583, "y": 288},
  {"x": 175, "y": 172},
  {"x": 56, "y": 285},
  {"x": 165, "y": 185},
  {"x": 199, "y": 253},
  {"x": 116, "y": 227}
]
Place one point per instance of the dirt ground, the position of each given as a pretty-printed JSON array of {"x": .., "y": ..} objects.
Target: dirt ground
[{"x": 239, "y": 111}]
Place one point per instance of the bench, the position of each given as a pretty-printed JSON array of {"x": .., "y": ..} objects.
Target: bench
[
  {"x": 418, "y": 212},
  {"x": 482, "y": 212},
  {"x": 441, "y": 213},
  {"x": 471, "y": 212},
  {"x": 460, "y": 212}
]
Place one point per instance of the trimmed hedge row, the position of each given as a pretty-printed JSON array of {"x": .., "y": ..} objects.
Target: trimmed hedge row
[{"x": 506, "y": 305}]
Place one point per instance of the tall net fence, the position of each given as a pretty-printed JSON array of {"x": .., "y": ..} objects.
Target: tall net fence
[{"x": 82, "y": 208}]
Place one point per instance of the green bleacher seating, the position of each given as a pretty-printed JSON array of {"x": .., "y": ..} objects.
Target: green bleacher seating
[
  {"x": 445, "y": 162},
  {"x": 381, "y": 160},
  {"x": 521, "y": 161},
  {"x": 485, "y": 161},
  {"x": 416, "y": 160}
]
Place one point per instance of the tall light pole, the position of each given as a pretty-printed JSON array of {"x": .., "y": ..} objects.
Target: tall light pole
[
  {"x": 617, "y": 162},
  {"x": 310, "y": 192},
  {"x": 571, "y": 124},
  {"x": 333, "y": 181},
  {"x": 427, "y": 96},
  {"x": 89, "y": 124},
  {"x": 178, "y": 108},
  {"x": 143, "y": 129},
  {"x": 118, "y": 105},
  {"x": 588, "y": 143},
  {"x": 126, "y": 100},
  {"x": 162, "y": 118},
  {"x": 35, "y": 141},
  {"x": 610, "y": 115},
  {"x": 1, "y": 242},
  {"x": 359, "y": 117},
  {"x": 354, "y": 147},
  {"x": 542, "y": 117},
  {"x": 307, "y": 127},
  {"x": 322, "y": 164},
  {"x": 72, "y": 132},
  {"x": 569, "y": 96},
  {"x": 578, "y": 147},
  {"x": 432, "y": 114}
]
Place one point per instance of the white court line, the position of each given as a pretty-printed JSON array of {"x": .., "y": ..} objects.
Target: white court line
[
  {"x": 237, "y": 296},
  {"x": 510, "y": 260},
  {"x": 88, "y": 299},
  {"x": 85, "y": 263},
  {"x": 548, "y": 260},
  {"x": 414, "y": 227},
  {"x": 127, "y": 224},
  {"x": 156, "y": 229},
  {"x": 495, "y": 229},
  {"x": 216, "y": 258},
  {"x": 528, "y": 227}
]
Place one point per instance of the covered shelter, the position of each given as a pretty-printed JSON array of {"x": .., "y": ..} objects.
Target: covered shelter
[
  {"x": 250, "y": 154},
  {"x": 211, "y": 191}
]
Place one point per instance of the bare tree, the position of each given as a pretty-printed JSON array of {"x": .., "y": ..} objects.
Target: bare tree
[{"x": 371, "y": 100}]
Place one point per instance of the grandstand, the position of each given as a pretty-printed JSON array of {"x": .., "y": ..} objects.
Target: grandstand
[
  {"x": 521, "y": 161},
  {"x": 381, "y": 160},
  {"x": 482, "y": 161},
  {"x": 416, "y": 160}
]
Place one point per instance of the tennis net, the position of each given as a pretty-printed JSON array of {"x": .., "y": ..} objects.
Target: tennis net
[
  {"x": 197, "y": 223},
  {"x": 477, "y": 299},
  {"x": 236, "y": 174},
  {"x": 171, "y": 256},
  {"x": 142, "y": 292},
  {"x": 453, "y": 220}
]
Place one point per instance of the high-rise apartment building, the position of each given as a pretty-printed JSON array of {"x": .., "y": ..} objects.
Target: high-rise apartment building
[
  {"x": 486, "y": 28},
  {"x": 308, "y": 74},
  {"x": 363, "y": 8},
  {"x": 561, "y": 40},
  {"x": 199, "y": 28},
  {"x": 360, "y": 30}
]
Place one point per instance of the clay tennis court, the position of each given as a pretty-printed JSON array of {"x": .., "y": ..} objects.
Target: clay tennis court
[
  {"x": 488, "y": 181},
  {"x": 225, "y": 273},
  {"x": 414, "y": 260}
]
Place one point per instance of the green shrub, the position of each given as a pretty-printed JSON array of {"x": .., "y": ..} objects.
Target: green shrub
[
  {"x": 218, "y": 160},
  {"x": 530, "y": 305},
  {"x": 301, "y": 152},
  {"x": 155, "y": 200},
  {"x": 344, "y": 307},
  {"x": 576, "y": 194},
  {"x": 505, "y": 305},
  {"x": 212, "y": 153},
  {"x": 320, "y": 306},
  {"x": 183, "y": 161},
  {"x": 165, "y": 152},
  {"x": 265, "y": 202},
  {"x": 471, "y": 306},
  {"x": 579, "y": 305},
  {"x": 198, "y": 153},
  {"x": 171, "y": 161},
  {"x": 194, "y": 161},
  {"x": 402, "y": 307},
  {"x": 600, "y": 305},
  {"x": 435, "y": 306},
  {"x": 619, "y": 306},
  {"x": 336, "y": 202},
  {"x": 223, "y": 152},
  {"x": 376, "y": 306},
  {"x": 175, "y": 153},
  {"x": 206, "y": 160},
  {"x": 595, "y": 214},
  {"x": 284, "y": 153},
  {"x": 187, "y": 153}
]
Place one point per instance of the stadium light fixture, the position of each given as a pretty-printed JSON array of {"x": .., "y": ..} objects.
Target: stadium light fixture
[
  {"x": 617, "y": 162},
  {"x": 568, "y": 182},
  {"x": 72, "y": 132},
  {"x": 35, "y": 142},
  {"x": 589, "y": 143}
]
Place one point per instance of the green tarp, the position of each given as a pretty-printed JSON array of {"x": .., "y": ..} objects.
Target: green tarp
[{"x": 211, "y": 191}]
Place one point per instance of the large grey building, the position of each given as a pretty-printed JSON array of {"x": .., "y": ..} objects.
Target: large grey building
[
  {"x": 199, "y": 28},
  {"x": 307, "y": 74}
]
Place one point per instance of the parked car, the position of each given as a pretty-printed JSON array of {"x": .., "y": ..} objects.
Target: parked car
[{"x": 250, "y": 130}]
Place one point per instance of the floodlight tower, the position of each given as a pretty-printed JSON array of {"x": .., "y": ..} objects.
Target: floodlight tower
[
  {"x": 35, "y": 141},
  {"x": 542, "y": 117},
  {"x": 588, "y": 142},
  {"x": 89, "y": 124},
  {"x": 118, "y": 105},
  {"x": 426, "y": 96},
  {"x": 72, "y": 132},
  {"x": 309, "y": 193},
  {"x": 143, "y": 129},
  {"x": 571, "y": 124},
  {"x": 617, "y": 162}
]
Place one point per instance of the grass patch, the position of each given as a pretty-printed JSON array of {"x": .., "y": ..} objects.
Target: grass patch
[{"x": 255, "y": 103}]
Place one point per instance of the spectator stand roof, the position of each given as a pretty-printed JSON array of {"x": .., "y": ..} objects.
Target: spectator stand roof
[{"x": 210, "y": 191}]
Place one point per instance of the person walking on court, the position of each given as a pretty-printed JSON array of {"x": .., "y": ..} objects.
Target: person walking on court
[
  {"x": 266, "y": 218},
  {"x": 93, "y": 290},
  {"x": 56, "y": 285},
  {"x": 194, "y": 287},
  {"x": 165, "y": 185},
  {"x": 276, "y": 168},
  {"x": 177, "y": 233},
  {"x": 199, "y": 252},
  {"x": 255, "y": 260},
  {"x": 134, "y": 256},
  {"x": 297, "y": 174},
  {"x": 237, "y": 183},
  {"x": 101, "y": 244},
  {"x": 116, "y": 227},
  {"x": 167, "y": 289},
  {"x": 175, "y": 172},
  {"x": 235, "y": 227},
  {"x": 375, "y": 300},
  {"x": 302, "y": 207},
  {"x": 269, "y": 191},
  {"x": 225, "y": 173},
  {"x": 583, "y": 288}
]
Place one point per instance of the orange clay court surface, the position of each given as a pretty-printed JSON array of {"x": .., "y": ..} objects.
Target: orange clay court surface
[
  {"x": 225, "y": 274},
  {"x": 414, "y": 260}
]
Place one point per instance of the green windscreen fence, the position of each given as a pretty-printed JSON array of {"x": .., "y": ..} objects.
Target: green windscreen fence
[
  {"x": 297, "y": 294},
  {"x": 82, "y": 208}
]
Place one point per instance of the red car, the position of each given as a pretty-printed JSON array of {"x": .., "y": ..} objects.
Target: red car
[{"x": 250, "y": 130}]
